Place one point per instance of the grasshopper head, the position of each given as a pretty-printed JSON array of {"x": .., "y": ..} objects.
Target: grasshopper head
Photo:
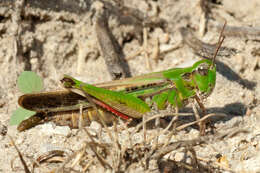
[
  {"x": 204, "y": 77},
  {"x": 67, "y": 82},
  {"x": 204, "y": 74}
]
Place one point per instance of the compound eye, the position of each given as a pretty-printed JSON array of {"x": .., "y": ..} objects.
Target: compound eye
[{"x": 202, "y": 71}]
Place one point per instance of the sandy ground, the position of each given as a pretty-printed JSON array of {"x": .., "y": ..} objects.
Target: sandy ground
[{"x": 57, "y": 39}]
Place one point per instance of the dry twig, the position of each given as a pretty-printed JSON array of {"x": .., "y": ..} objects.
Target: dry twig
[
  {"x": 110, "y": 49},
  {"x": 26, "y": 169}
]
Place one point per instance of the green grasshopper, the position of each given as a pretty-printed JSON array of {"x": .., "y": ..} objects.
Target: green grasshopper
[{"x": 126, "y": 98}]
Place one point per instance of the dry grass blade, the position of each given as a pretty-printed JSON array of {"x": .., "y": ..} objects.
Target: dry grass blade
[
  {"x": 50, "y": 154},
  {"x": 203, "y": 49},
  {"x": 163, "y": 132},
  {"x": 195, "y": 160},
  {"x": 144, "y": 129},
  {"x": 197, "y": 121},
  {"x": 116, "y": 135},
  {"x": 79, "y": 155},
  {"x": 98, "y": 113},
  {"x": 81, "y": 122},
  {"x": 232, "y": 133},
  {"x": 115, "y": 142},
  {"x": 156, "y": 50},
  {"x": 26, "y": 169},
  {"x": 139, "y": 126},
  {"x": 172, "y": 120},
  {"x": 16, "y": 32},
  {"x": 247, "y": 32},
  {"x": 145, "y": 48},
  {"x": 73, "y": 155},
  {"x": 201, "y": 124},
  {"x": 134, "y": 54},
  {"x": 144, "y": 142},
  {"x": 158, "y": 131},
  {"x": 118, "y": 154},
  {"x": 103, "y": 162},
  {"x": 128, "y": 134},
  {"x": 203, "y": 16},
  {"x": 88, "y": 165},
  {"x": 174, "y": 146},
  {"x": 187, "y": 125}
]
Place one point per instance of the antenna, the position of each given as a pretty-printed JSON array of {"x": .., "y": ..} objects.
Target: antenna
[{"x": 220, "y": 41}]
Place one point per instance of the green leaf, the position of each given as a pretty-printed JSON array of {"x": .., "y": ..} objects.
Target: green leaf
[
  {"x": 29, "y": 82},
  {"x": 19, "y": 115}
]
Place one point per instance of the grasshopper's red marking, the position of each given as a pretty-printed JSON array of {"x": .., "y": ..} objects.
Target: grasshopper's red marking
[{"x": 109, "y": 108}]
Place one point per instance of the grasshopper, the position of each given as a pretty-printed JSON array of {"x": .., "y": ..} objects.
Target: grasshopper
[{"x": 125, "y": 98}]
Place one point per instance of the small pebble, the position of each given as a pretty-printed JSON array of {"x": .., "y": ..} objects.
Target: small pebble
[
  {"x": 95, "y": 126},
  {"x": 49, "y": 129},
  {"x": 179, "y": 157}
]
